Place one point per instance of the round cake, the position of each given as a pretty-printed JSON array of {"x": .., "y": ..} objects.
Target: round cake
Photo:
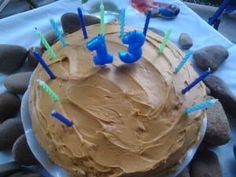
[{"x": 128, "y": 119}]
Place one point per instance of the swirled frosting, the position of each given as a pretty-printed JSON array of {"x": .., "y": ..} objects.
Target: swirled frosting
[{"x": 128, "y": 118}]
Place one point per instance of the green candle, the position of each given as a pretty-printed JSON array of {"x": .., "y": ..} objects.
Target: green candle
[
  {"x": 102, "y": 28},
  {"x": 165, "y": 40},
  {"x": 47, "y": 46},
  {"x": 48, "y": 90}
]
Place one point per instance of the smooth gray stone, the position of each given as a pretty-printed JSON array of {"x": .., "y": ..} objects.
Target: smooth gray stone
[
  {"x": 184, "y": 173},
  {"x": 185, "y": 41},
  {"x": 8, "y": 168},
  {"x": 10, "y": 130},
  {"x": 159, "y": 32},
  {"x": 12, "y": 57},
  {"x": 222, "y": 92},
  {"x": 205, "y": 164},
  {"x": 210, "y": 57},
  {"x": 218, "y": 130},
  {"x": 18, "y": 83},
  {"x": 71, "y": 23},
  {"x": 22, "y": 153},
  {"x": 9, "y": 105}
]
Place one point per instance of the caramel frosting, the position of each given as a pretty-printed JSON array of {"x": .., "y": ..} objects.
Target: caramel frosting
[{"x": 128, "y": 118}]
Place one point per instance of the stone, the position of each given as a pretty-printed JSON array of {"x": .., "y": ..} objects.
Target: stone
[
  {"x": 185, "y": 41},
  {"x": 70, "y": 22},
  {"x": 210, "y": 57},
  {"x": 9, "y": 105},
  {"x": 18, "y": 83},
  {"x": 184, "y": 173},
  {"x": 8, "y": 168},
  {"x": 205, "y": 164},
  {"x": 32, "y": 175},
  {"x": 12, "y": 57},
  {"x": 221, "y": 91},
  {"x": 159, "y": 32},
  {"x": 17, "y": 174},
  {"x": 208, "y": 91},
  {"x": 218, "y": 130},
  {"x": 235, "y": 150},
  {"x": 31, "y": 59},
  {"x": 10, "y": 130},
  {"x": 21, "y": 152},
  {"x": 39, "y": 3},
  {"x": 51, "y": 38}
]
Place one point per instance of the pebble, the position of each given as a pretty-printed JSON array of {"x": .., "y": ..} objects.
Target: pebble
[
  {"x": 70, "y": 22},
  {"x": 184, "y": 173},
  {"x": 221, "y": 91},
  {"x": 9, "y": 105},
  {"x": 235, "y": 150},
  {"x": 31, "y": 59},
  {"x": 8, "y": 168},
  {"x": 185, "y": 41},
  {"x": 17, "y": 174},
  {"x": 12, "y": 57},
  {"x": 22, "y": 153},
  {"x": 10, "y": 130},
  {"x": 51, "y": 38},
  {"x": 18, "y": 83},
  {"x": 210, "y": 57},
  {"x": 205, "y": 164},
  {"x": 159, "y": 32},
  {"x": 218, "y": 130}
]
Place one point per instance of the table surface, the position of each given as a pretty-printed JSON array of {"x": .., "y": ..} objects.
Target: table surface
[{"x": 19, "y": 29}]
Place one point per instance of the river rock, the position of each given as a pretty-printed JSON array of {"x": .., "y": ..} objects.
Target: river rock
[
  {"x": 235, "y": 150},
  {"x": 9, "y": 105},
  {"x": 205, "y": 164},
  {"x": 210, "y": 57},
  {"x": 18, "y": 174},
  {"x": 10, "y": 130},
  {"x": 70, "y": 22},
  {"x": 185, "y": 41},
  {"x": 8, "y": 168},
  {"x": 218, "y": 130},
  {"x": 18, "y": 83},
  {"x": 12, "y": 57},
  {"x": 184, "y": 173},
  {"x": 221, "y": 91},
  {"x": 22, "y": 153},
  {"x": 31, "y": 59}
]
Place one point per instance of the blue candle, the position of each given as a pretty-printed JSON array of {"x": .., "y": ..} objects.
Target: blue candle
[
  {"x": 135, "y": 40},
  {"x": 58, "y": 32},
  {"x": 82, "y": 23},
  {"x": 44, "y": 65},
  {"x": 99, "y": 45},
  {"x": 195, "y": 82},
  {"x": 200, "y": 106},
  {"x": 183, "y": 61},
  {"x": 61, "y": 118},
  {"x": 149, "y": 13}
]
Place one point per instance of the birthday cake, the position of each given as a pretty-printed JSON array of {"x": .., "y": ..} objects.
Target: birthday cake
[{"x": 128, "y": 119}]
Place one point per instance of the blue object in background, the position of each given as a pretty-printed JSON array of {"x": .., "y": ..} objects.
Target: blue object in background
[
  {"x": 98, "y": 43},
  {"x": 135, "y": 40}
]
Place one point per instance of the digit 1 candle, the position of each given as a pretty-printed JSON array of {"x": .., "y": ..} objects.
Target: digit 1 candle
[
  {"x": 200, "y": 106},
  {"x": 102, "y": 26},
  {"x": 61, "y": 118},
  {"x": 195, "y": 82},
  {"x": 122, "y": 22},
  {"x": 44, "y": 65},
  {"x": 148, "y": 16},
  {"x": 47, "y": 46},
  {"x": 183, "y": 61},
  {"x": 82, "y": 22},
  {"x": 58, "y": 32},
  {"x": 165, "y": 40},
  {"x": 99, "y": 44},
  {"x": 48, "y": 90},
  {"x": 135, "y": 40}
]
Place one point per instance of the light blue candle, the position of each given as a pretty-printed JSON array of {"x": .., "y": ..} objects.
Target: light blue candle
[
  {"x": 200, "y": 106},
  {"x": 183, "y": 61},
  {"x": 58, "y": 32},
  {"x": 122, "y": 22}
]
